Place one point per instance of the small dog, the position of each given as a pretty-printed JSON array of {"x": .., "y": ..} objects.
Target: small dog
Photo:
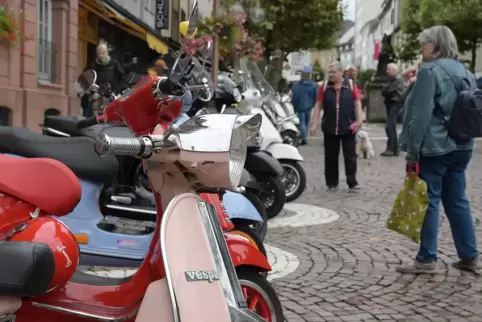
[{"x": 364, "y": 145}]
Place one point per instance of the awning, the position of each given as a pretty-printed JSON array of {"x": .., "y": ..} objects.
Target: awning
[{"x": 113, "y": 13}]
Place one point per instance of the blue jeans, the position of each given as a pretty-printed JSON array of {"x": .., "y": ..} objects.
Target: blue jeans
[
  {"x": 305, "y": 118},
  {"x": 445, "y": 177}
]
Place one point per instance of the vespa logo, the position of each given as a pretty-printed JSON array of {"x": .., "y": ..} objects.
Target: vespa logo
[
  {"x": 194, "y": 276},
  {"x": 68, "y": 262}
]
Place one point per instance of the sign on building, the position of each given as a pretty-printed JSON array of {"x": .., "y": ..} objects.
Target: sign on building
[{"x": 162, "y": 14}]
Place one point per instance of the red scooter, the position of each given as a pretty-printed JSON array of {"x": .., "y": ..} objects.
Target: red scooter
[{"x": 188, "y": 274}]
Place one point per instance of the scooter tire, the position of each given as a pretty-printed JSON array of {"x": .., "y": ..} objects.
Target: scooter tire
[
  {"x": 279, "y": 193},
  {"x": 295, "y": 166},
  {"x": 252, "y": 283},
  {"x": 261, "y": 229}
]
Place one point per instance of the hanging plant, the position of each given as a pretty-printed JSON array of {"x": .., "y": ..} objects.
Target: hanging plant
[{"x": 11, "y": 30}]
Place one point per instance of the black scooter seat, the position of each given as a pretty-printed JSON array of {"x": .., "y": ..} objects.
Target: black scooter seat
[
  {"x": 77, "y": 152},
  {"x": 68, "y": 125}
]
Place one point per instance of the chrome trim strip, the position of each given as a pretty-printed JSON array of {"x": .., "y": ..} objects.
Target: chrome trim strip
[
  {"x": 132, "y": 209},
  {"x": 53, "y": 131},
  {"x": 227, "y": 274},
  {"x": 83, "y": 314}
]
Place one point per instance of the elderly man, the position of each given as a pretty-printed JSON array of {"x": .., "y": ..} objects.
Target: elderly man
[
  {"x": 342, "y": 118},
  {"x": 392, "y": 94}
]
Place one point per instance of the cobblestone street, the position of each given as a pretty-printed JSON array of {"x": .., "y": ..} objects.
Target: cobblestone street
[{"x": 346, "y": 268}]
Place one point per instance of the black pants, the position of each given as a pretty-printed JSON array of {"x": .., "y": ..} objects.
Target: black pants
[
  {"x": 391, "y": 127},
  {"x": 332, "y": 152}
]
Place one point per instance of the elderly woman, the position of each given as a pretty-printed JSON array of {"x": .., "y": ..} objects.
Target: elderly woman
[{"x": 442, "y": 162}]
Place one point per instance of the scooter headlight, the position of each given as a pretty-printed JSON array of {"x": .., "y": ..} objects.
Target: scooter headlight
[{"x": 245, "y": 128}]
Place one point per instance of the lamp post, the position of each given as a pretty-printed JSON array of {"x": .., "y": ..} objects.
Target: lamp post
[{"x": 256, "y": 14}]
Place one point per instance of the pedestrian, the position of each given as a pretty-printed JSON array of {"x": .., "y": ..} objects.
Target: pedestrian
[
  {"x": 353, "y": 74},
  {"x": 392, "y": 93},
  {"x": 442, "y": 162},
  {"x": 342, "y": 118},
  {"x": 303, "y": 100},
  {"x": 109, "y": 71}
]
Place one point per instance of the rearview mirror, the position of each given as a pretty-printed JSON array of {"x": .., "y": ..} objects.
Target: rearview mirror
[{"x": 85, "y": 82}]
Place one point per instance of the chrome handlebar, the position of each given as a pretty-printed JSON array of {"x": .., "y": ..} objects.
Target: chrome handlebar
[{"x": 135, "y": 147}]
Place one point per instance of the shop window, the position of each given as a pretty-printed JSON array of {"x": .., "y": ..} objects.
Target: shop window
[
  {"x": 5, "y": 116},
  {"x": 45, "y": 47}
]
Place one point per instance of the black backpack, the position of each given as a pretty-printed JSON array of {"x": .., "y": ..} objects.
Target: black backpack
[{"x": 465, "y": 123}]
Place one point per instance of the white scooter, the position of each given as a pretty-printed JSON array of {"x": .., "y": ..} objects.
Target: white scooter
[{"x": 270, "y": 140}]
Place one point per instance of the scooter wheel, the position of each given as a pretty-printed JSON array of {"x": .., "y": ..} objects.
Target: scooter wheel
[
  {"x": 273, "y": 194},
  {"x": 260, "y": 229},
  {"x": 294, "y": 179},
  {"x": 260, "y": 296}
]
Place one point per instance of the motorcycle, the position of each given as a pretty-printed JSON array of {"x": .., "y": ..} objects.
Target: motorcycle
[
  {"x": 265, "y": 169},
  {"x": 294, "y": 176},
  {"x": 187, "y": 274}
]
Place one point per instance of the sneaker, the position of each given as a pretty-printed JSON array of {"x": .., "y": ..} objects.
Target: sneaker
[
  {"x": 418, "y": 268},
  {"x": 354, "y": 188},
  {"x": 303, "y": 142},
  {"x": 471, "y": 264},
  {"x": 333, "y": 188},
  {"x": 387, "y": 154}
]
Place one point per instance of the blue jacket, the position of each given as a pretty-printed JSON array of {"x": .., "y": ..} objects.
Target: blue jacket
[
  {"x": 423, "y": 133},
  {"x": 304, "y": 95}
]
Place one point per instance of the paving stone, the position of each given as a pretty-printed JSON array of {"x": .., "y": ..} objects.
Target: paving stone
[{"x": 346, "y": 267}]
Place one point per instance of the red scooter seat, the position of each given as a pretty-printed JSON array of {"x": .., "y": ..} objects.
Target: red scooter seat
[{"x": 45, "y": 183}]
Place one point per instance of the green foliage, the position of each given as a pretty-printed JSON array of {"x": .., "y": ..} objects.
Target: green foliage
[
  {"x": 318, "y": 70},
  {"x": 364, "y": 76},
  {"x": 292, "y": 25},
  {"x": 464, "y": 17}
]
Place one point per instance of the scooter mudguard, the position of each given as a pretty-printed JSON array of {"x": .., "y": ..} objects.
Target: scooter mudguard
[
  {"x": 263, "y": 162},
  {"x": 284, "y": 151},
  {"x": 243, "y": 253},
  {"x": 248, "y": 181},
  {"x": 288, "y": 126},
  {"x": 239, "y": 207}
]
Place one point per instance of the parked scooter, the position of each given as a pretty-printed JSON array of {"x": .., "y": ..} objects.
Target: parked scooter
[
  {"x": 187, "y": 275},
  {"x": 294, "y": 177},
  {"x": 265, "y": 168}
]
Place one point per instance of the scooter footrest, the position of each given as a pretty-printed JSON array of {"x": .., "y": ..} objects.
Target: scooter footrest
[{"x": 8, "y": 318}]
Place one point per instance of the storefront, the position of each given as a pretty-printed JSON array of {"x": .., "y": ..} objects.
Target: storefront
[{"x": 126, "y": 38}]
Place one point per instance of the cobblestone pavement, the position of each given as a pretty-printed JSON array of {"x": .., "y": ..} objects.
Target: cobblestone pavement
[{"x": 346, "y": 267}]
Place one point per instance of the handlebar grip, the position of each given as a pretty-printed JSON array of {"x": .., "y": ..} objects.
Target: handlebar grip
[
  {"x": 135, "y": 147},
  {"x": 87, "y": 122}
]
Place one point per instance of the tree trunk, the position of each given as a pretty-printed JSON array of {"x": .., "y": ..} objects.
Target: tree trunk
[{"x": 473, "y": 52}]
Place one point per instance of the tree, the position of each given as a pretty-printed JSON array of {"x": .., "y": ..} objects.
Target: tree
[
  {"x": 293, "y": 25},
  {"x": 318, "y": 70},
  {"x": 464, "y": 17}
]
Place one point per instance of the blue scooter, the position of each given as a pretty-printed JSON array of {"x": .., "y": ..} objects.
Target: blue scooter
[{"x": 113, "y": 224}]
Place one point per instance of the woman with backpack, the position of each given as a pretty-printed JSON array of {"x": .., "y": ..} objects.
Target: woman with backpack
[{"x": 438, "y": 155}]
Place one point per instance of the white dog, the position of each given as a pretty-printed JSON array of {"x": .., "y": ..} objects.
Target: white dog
[{"x": 364, "y": 145}]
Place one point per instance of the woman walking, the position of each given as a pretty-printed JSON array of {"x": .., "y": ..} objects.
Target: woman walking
[{"x": 442, "y": 161}]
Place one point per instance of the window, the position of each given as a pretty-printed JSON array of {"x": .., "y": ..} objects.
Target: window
[{"x": 45, "y": 48}]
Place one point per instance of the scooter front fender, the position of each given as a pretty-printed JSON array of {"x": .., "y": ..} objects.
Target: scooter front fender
[
  {"x": 245, "y": 254},
  {"x": 288, "y": 126},
  {"x": 239, "y": 207},
  {"x": 284, "y": 151}
]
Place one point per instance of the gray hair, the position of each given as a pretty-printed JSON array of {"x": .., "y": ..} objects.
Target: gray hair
[
  {"x": 443, "y": 40},
  {"x": 337, "y": 65},
  {"x": 393, "y": 66},
  {"x": 103, "y": 46}
]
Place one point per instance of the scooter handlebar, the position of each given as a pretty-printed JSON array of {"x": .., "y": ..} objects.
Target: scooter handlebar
[{"x": 135, "y": 147}]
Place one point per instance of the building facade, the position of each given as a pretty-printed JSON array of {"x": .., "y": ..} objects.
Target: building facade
[
  {"x": 37, "y": 74},
  {"x": 324, "y": 57},
  {"x": 345, "y": 47},
  {"x": 366, "y": 11}
]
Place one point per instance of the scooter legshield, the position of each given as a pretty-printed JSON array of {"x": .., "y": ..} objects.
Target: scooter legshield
[
  {"x": 239, "y": 207},
  {"x": 284, "y": 151},
  {"x": 193, "y": 261}
]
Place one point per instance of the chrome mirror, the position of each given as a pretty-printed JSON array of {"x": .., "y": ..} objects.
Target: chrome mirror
[{"x": 85, "y": 82}]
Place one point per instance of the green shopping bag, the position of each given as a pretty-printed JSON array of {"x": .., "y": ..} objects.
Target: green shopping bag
[{"x": 410, "y": 207}]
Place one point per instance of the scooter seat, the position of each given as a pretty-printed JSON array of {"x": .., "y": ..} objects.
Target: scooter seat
[
  {"x": 26, "y": 269},
  {"x": 77, "y": 152},
  {"x": 68, "y": 125},
  {"x": 44, "y": 183}
]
